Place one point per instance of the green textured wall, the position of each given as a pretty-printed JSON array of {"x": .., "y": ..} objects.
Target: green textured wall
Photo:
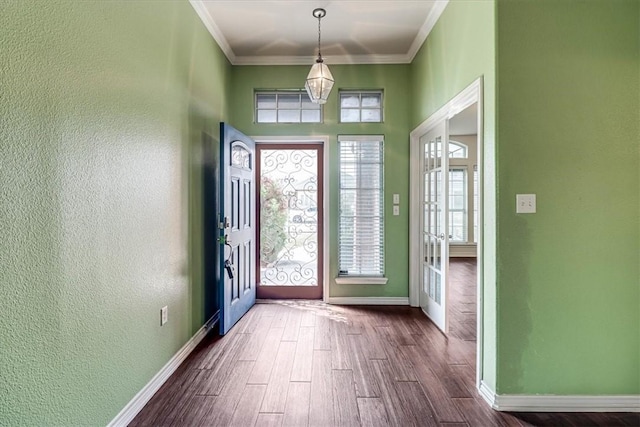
[
  {"x": 569, "y": 279},
  {"x": 394, "y": 80},
  {"x": 460, "y": 49},
  {"x": 103, "y": 106},
  {"x": 102, "y": 109}
]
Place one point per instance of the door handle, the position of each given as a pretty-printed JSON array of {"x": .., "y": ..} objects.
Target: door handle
[
  {"x": 441, "y": 236},
  {"x": 228, "y": 266},
  {"x": 228, "y": 263}
]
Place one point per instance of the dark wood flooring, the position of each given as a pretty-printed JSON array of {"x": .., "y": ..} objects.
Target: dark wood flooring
[{"x": 305, "y": 363}]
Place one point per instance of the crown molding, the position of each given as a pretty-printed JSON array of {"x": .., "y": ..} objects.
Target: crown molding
[
  {"x": 425, "y": 30},
  {"x": 328, "y": 59},
  {"x": 206, "y": 18},
  {"x": 434, "y": 14}
]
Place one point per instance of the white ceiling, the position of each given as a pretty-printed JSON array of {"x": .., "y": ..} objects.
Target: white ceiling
[
  {"x": 465, "y": 122},
  {"x": 353, "y": 32}
]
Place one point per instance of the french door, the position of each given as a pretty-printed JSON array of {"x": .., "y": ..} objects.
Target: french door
[
  {"x": 290, "y": 219},
  {"x": 435, "y": 227},
  {"x": 237, "y": 226}
]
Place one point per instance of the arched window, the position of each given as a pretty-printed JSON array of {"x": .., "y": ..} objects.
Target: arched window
[{"x": 457, "y": 150}]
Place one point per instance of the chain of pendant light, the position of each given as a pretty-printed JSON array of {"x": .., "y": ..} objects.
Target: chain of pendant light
[{"x": 320, "y": 15}]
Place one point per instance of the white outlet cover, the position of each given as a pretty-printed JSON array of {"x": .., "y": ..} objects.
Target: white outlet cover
[
  {"x": 525, "y": 203},
  {"x": 396, "y": 199},
  {"x": 396, "y": 210}
]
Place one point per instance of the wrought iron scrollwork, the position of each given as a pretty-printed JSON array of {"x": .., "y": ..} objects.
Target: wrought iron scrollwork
[{"x": 289, "y": 218}]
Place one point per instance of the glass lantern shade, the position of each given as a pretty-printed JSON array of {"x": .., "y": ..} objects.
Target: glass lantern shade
[{"x": 319, "y": 83}]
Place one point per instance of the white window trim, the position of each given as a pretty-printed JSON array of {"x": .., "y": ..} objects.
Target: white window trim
[
  {"x": 360, "y": 108},
  {"x": 361, "y": 280},
  {"x": 464, "y": 210},
  {"x": 277, "y": 93},
  {"x": 354, "y": 279}
]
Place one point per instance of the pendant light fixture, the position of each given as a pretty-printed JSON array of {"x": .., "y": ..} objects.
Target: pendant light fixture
[{"x": 319, "y": 81}]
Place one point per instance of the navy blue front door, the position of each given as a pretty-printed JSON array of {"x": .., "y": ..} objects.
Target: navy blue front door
[{"x": 237, "y": 231}]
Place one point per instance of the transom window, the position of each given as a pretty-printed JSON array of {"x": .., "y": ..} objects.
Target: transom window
[
  {"x": 360, "y": 106},
  {"x": 286, "y": 106},
  {"x": 361, "y": 223}
]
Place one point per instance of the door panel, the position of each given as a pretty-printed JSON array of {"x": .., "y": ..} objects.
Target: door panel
[
  {"x": 237, "y": 235},
  {"x": 433, "y": 293},
  {"x": 290, "y": 247}
]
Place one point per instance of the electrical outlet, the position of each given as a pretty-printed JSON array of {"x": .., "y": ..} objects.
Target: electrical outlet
[
  {"x": 525, "y": 203},
  {"x": 164, "y": 315},
  {"x": 396, "y": 199},
  {"x": 396, "y": 210}
]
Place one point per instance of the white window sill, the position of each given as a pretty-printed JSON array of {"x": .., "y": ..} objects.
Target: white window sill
[{"x": 356, "y": 280}]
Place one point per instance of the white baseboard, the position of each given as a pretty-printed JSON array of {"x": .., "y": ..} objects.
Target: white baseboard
[
  {"x": 136, "y": 404},
  {"x": 487, "y": 394},
  {"x": 554, "y": 403},
  {"x": 368, "y": 300}
]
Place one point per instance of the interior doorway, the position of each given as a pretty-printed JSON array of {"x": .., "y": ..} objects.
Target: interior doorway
[
  {"x": 290, "y": 255},
  {"x": 463, "y": 183},
  {"x": 463, "y": 224},
  {"x": 446, "y": 217}
]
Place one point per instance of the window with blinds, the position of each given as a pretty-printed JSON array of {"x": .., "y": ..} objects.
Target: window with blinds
[{"x": 361, "y": 224}]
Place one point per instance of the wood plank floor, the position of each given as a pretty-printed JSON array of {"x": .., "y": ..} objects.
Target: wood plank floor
[{"x": 305, "y": 363}]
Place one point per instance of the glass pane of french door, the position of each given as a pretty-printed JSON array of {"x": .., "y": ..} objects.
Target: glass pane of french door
[
  {"x": 290, "y": 221},
  {"x": 435, "y": 225}
]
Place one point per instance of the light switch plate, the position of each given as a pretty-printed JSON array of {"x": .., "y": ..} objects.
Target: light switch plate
[
  {"x": 396, "y": 199},
  {"x": 525, "y": 203},
  {"x": 164, "y": 315},
  {"x": 396, "y": 210}
]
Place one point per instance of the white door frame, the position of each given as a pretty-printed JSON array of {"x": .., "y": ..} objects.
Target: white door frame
[
  {"x": 313, "y": 139},
  {"x": 467, "y": 97}
]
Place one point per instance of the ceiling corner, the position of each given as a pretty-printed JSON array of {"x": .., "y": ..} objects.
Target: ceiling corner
[
  {"x": 425, "y": 30},
  {"x": 204, "y": 15}
]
